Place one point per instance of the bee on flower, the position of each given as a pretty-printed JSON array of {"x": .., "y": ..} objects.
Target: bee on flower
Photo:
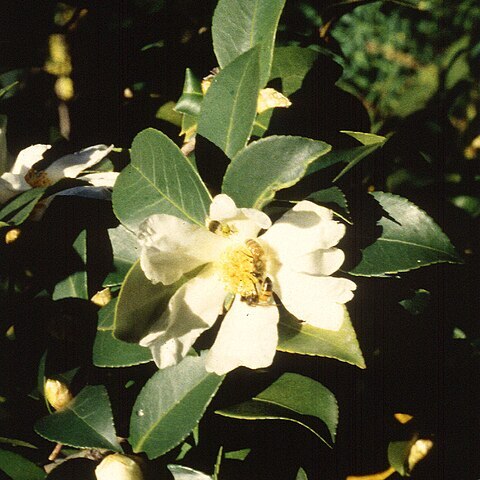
[{"x": 244, "y": 256}]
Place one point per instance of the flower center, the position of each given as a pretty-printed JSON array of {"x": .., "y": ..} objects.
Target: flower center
[
  {"x": 37, "y": 178},
  {"x": 242, "y": 269}
]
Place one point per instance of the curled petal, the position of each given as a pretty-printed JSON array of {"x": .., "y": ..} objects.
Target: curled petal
[
  {"x": 101, "y": 179},
  {"x": 172, "y": 247},
  {"x": 192, "y": 309},
  {"x": 305, "y": 228},
  {"x": 247, "y": 337},
  {"x": 27, "y": 158},
  {"x": 315, "y": 300},
  {"x": 70, "y": 166},
  {"x": 11, "y": 185}
]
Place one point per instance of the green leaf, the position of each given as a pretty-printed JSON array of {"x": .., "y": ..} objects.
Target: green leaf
[
  {"x": 168, "y": 113},
  {"x": 398, "y": 453},
  {"x": 16, "y": 443},
  {"x": 19, "y": 468},
  {"x": 418, "y": 303},
  {"x": 191, "y": 100},
  {"x": 410, "y": 239},
  {"x": 301, "y": 474},
  {"x": 291, "y": 65},
  {"x": 239, "y": 25},
  {"x": 262, "y": 122},
  {"x": 86, "y": 422},
  {"x": 295, "y": 392},
  {"x": 468, "y": 203},
  {"x": 140, "y": 303},
  {"x": 110, "y": 352},
  {"x": 169, "y": 406},
  {"x": 290, "y": 398},
  {"x": 180, "y": 472},
  {"x": 268, "y": 165},
  {"x": 298, "y": 337},
  {"x": 17, "y": 210},
  {"x": 350, "y": 156},
  {"x": 75, "y": 285},
  {"x": 334, "y": 199},
  {"x": 160, "y": 179},
  {"x": 238, "y": 454},
  {"x": 125, "y": 252},
  {"x": 230, "y": 105}
]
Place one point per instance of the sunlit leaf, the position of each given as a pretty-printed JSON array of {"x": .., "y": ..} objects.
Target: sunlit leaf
[
  {"x": 86, "y": 422},
  {"x": 299, "y": 337},
  {"x": 75, "y": 285},
  {"x": 19, "y": 468},
  {"x": 192, "y": 96},
  {"x": 169, "y": 406},
  {"x": 268, "y": 165},
  {"x": 409, "y": 239},
  {"x": 301, "y": 475},
  {"x": 180, "y": 472},
  {"x": 230, "y": 105},
  {"x": 239, "y": 25},
  {"x": 160, "y": 179}
]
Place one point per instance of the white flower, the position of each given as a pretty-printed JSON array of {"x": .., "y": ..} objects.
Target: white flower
[
  {"x": 118, "y": 467},
  {"x": 23, "y": 175},
  {"x": 294, "y": 257}
]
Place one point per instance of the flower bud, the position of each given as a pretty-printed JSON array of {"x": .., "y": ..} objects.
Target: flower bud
[
  {"x": 12, "y": 235},
  {"x": 57, "y": 394},
  {"x": 118, "y": 467}
]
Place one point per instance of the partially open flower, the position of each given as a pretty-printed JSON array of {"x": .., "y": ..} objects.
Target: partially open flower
[
  {"x": 23, "y": 176},
  {"x": 118, "y": 467},
  {"x": 294, "y": 258}
]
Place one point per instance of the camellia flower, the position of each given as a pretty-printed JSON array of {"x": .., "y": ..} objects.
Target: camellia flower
[
  {"x": 294, "y": 258},
  {"x": 23, "y": 175},
  {"x": 118, "y": 467}
]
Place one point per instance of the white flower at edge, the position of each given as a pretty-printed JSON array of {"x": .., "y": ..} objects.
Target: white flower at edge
[
  {"x": 23, "y": 176},
  {"x": 297, "y": 255}
]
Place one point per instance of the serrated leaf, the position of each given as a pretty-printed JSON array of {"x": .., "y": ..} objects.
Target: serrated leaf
[
  {"x": 334, "y": 199},
  {"x": 291, "y": 65},
  {"x": 126, "y": 251},
  {"x": 86, "y": 422},
  {"x": 169, "y": 406},
  {"x": 19, "y": 468},
  {"x": 350, "y": 156},
  {"x": 230, "y": 105},
  {"x": 191, "y": 100},
  {"x": 75, "y": 285},
  {"x": 139, "y": 304},
  {"x": 418, "y": 303},
  {"x": 180, "y": 472},
  {"x": 17, "y": 210},
  {"x": 268, "y": 165},
  {"x": 298, "y": 337},
  {"x": 291, "y": 398},
  {"x": 239, "y": 25},
  {"x": 305, "y": 396},
  {"x": 160, "y": 179},
  {"x": 110, "y": 352},
  {"x": 410, "y": 239}
]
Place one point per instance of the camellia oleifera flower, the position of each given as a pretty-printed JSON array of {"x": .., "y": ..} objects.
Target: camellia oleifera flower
[
  {"x": 23, "y": 176},
  {"x": 293, "y": 259},
  {"x": 118, "y": 467}
]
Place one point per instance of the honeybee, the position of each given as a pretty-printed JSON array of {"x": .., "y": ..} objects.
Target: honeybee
[
  {"x": 214, "y": 226},
  {"x": 262, "y": 297},
  {"x": 219, "y": 228},
  {"x": 258, "y": 255}
]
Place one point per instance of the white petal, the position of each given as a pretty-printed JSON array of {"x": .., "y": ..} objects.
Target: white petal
[
  {"x": 248, "y": 336},
  {"x": 10, "y": 185},
  {"x": 28, "y": 157},
  {"x": 192, "y": 309},
  {"x": 70, "y": 166},
  {"x": 101, "y": 179},
  {"x": 99, "y": 193},
  {"x": 303, "y": 229},
  {"x": 321, "y": 262},
  {"x": 315, "y": 300},
  {"x": 172, "y": 247},
  {"x": 222, "y": 208}
]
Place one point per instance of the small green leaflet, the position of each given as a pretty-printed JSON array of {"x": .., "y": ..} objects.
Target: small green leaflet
[
  {"x": 86, "y": 422},
  {"x": 409, "y": 239},
  {"x": 160, "y": 179},
  {"x": 290, "y": 398},
  {"x": 239, "y": 25},
  {"x": 268, "y": 165},
  {"x": 170, "y": 405}
]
